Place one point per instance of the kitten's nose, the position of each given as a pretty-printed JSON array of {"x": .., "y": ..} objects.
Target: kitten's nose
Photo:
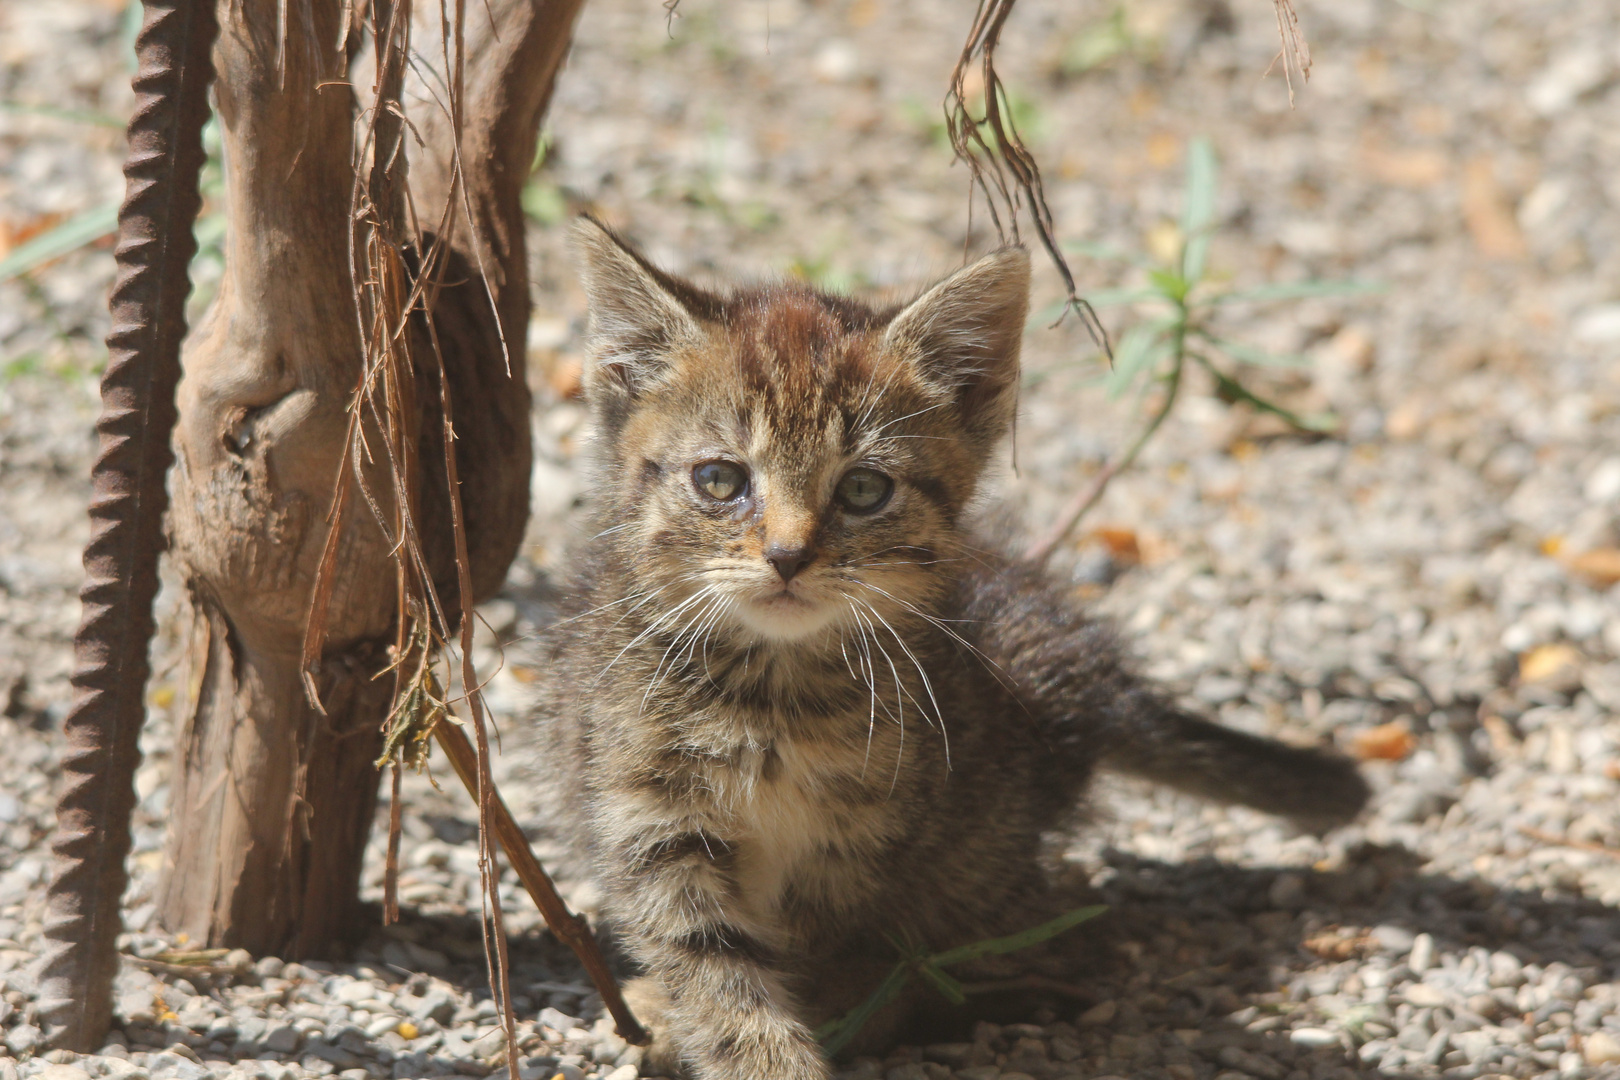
[{"x": 788, "y": 560}]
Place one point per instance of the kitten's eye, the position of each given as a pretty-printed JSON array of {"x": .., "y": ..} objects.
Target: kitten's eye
[
  {"x": 863, "y": 491},
  {"x": 720, "y": 480}
]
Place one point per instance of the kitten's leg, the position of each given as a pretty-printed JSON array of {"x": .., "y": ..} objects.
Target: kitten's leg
[{"x": 729, "y": 1015}]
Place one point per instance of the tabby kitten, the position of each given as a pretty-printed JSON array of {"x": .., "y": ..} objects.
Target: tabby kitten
[{"x": 794, "y": 711}]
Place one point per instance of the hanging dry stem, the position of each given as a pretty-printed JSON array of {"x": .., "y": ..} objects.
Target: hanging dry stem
[
  {"x": 395, "y": 296},
  {"x": 1002, "y": 167}
]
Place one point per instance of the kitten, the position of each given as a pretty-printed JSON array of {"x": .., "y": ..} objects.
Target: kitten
[{"x": 794, "y": 712}]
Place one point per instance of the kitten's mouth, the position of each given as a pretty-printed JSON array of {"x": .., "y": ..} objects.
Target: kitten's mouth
[
  {"x": 784, "y": 614},
  {"x": 784, "y": 598}
]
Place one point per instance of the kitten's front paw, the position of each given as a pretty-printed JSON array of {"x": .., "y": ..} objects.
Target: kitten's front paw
[
  {"x": 649, "y": 1003},
  {"x": 753, "y": 1048}
]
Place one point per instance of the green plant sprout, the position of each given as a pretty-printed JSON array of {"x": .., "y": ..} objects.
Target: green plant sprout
[
  {"x": 97, "y": 222},
  {"x": 541, "y": 198},
  {"x": 835, "y": 1035},
  {"x": 1099, "y": 43},
  {"x": 1156, "y": 351}
]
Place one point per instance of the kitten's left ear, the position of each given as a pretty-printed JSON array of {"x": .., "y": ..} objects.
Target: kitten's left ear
[
  {"x": 639, "y": 313},
  {"x": 964, "y": 334}
]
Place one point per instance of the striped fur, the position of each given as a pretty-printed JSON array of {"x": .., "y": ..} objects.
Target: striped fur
[{"x": 775, "y": 777}]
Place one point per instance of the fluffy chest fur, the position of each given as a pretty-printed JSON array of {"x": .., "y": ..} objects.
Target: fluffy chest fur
[
  {"x": 797, "y": 713},
  {"x": 799, "y": 772}
]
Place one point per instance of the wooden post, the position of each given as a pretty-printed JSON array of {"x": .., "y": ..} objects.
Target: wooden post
[{"x": 273, "y": 799}]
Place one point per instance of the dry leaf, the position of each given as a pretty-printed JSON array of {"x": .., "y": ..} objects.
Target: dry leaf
[
  {"x": 1545, "y": 663},
  {"x": 1120, "y": 542},
  {"x": 1487, "y": 214},
  {"x": 1600, "y": 566},
  {"x": 1406, "y": 420},
  {"x": 1386, "y": 742},
  {"x": 15, "y": 235},
  {"x": 1405, "y": 168},
  {"x": 1338, "y": 943}
]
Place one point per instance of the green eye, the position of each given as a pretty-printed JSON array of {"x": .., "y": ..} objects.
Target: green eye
[
  {"x": 863, "y": 491},
  {"x": 720, "y": 480}
]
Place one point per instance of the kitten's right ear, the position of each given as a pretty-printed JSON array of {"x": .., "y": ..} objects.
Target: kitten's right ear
[{"x": 638, "y": 313}]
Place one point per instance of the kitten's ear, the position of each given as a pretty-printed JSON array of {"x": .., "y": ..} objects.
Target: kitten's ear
[
  {"x": 639, "y": 313},
  {"x": 964, "y": 336}
]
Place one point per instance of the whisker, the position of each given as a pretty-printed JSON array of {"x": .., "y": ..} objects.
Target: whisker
[
  {"x": 928, "y": 686},
  {"x": 653, "y": 628},
  {"x": 900, "y": 705},
  {"x": 659, "y": 672},
  {"x": 926, "y": 409}
]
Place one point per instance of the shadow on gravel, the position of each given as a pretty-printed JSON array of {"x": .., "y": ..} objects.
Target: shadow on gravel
[
  {"x": 1284, "y": 973},
  {"x": 1205, "y": 970}
]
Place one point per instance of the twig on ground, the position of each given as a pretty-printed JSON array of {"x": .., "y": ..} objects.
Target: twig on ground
[
  {"x": 1564, "y": 841},
  {"x": 570, "y": 929}
]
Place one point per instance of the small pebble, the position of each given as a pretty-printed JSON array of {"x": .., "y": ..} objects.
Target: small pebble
[
  {"x": 1423, "y": 995},
  {"x": 1098, "y": 1014},
  {"x": 1601, "y": 1048},
  {"x": 1313, "y": 1037},
  {"x": 1422, "y": 954}
]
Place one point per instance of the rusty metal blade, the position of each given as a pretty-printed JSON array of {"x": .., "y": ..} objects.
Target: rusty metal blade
[{"x": 102, "y": 731}]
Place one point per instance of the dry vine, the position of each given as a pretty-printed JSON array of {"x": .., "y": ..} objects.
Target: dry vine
[
  {"x": 398, "y": 274},
  {"x": 1003, "y": 169},
  {"x": 1005, "y": 172}
]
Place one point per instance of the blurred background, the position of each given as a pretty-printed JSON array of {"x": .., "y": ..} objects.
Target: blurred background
[{"x": 1419, "y": 260}]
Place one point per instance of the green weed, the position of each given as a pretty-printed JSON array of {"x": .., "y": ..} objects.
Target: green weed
[
  {"x": 837, "y": 1034},
  {"x": 1179, "y": 330}
]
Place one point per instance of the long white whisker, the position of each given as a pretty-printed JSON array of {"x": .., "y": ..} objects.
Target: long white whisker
[
  {"x": 927, "y": 409},
  {"x": 940, "y": 624},
  {"x": 871, "y": 686},
  {"x": 674, "y": 645},
  {"x": 652, "y": 628},
  {"x": 928, "y": 686},
  {"x": 900, "y": 705}
]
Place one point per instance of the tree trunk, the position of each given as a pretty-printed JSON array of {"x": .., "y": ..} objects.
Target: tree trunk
[{"x": 273, "y": 799}]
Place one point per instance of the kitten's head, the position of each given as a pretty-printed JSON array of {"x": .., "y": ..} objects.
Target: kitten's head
[{"x": 779, "y": 460}]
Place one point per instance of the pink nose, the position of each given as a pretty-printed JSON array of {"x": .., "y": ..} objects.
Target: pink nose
[{"x": 788, "y": 560}]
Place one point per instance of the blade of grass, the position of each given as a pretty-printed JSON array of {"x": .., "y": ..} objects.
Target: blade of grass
[
  {"x": 1141, "y": 346},
  {"x": 69, "y": 236},
  {"x": 947, "y": 985},
  {"x": 1235, "y": 390},
  {"x": 1198, "y": 213},
  {"x": 836, "y": 1034},
  {"x": 1022, "y": 940},
  {"x": 1248, "y": 354}
]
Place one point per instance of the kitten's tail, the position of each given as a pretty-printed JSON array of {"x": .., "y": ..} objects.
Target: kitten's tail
[
  {"x": 1317, "y": 789},
  {"x": 1093, "y": 709}
]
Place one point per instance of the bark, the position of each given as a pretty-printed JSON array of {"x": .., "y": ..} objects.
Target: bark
[{"x": 273, "y": 799}]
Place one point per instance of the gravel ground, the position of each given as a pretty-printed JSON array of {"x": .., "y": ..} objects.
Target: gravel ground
[{"x": 1427, "y": 589}]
